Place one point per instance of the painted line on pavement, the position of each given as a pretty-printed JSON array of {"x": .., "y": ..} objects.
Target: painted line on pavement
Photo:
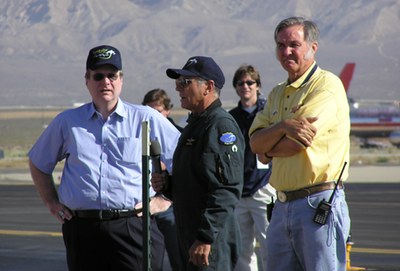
[
  {"x": 376, "y": 250},
  {"x": 59, "y": 234},
  {"x": 30, "y": 233}
]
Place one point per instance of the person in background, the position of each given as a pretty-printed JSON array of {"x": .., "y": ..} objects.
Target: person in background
[
  {"x": 159, "y": 100},
  {"x": 256, "y": 194},
  {"x": 304, "y": 128},
  {"x": 102, "y": 177},
  {"x": 207, "y": 175}
]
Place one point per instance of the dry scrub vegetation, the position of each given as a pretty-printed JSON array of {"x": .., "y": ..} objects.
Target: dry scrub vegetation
[{"x": 19, "y": 129}]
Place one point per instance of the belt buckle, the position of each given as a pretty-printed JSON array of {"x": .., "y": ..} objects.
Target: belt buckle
[
  {"x": 282, "y": 197},
  {"x": 107, "y": 214},
  {"x": 101, "y": 214}
]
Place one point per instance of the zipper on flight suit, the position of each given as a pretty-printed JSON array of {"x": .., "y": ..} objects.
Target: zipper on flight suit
[{"x": 220, "y": 171}]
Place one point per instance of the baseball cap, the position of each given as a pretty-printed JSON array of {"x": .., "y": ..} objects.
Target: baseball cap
[
  {"x": 103, "y": 55},
  {"x": 200, "y": 66}
]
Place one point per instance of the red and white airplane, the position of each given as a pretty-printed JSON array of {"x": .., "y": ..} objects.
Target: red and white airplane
[{"x": 372, "y": 118}]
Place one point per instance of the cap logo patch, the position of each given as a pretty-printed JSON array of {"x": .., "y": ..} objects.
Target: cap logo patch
[
  {"x": 104, "y": 53},
  {"x": 227, "y": 138},
  {"x": 191, "y": 62}
]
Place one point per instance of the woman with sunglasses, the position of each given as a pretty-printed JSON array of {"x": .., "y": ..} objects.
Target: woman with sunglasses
[{"x": 256, "y": 194}]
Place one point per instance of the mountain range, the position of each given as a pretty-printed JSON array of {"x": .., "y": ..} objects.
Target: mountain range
[{"x": 44, "y": 43}]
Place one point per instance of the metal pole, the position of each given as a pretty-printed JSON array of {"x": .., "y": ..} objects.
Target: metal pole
[{"x": 146, "y": 196}]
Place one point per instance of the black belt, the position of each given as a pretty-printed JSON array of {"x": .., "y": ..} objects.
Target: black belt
[
  {"x": 107, "y": 214},
  {"x": 284, "y": 196}
]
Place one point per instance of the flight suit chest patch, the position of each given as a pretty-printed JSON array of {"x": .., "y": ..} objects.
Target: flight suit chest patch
[{"x": 190, "y": 141}]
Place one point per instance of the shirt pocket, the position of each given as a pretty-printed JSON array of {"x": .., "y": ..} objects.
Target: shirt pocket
[{"x": 129, "y": 149}]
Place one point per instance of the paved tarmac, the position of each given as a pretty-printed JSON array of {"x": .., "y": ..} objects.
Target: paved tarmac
[
  {"x": 357, "y": 174},
  {"x": 30, "y": 238}
]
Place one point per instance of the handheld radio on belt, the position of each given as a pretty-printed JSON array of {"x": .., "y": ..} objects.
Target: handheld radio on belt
[{"x": 324, "y": 207}]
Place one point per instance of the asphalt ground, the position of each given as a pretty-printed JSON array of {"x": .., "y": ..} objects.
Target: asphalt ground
[{"x": 30, "y": 238}]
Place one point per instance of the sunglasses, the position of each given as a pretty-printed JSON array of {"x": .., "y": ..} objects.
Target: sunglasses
[
  {"x": 101, "y": 76},
  {"x": 248, "y": 82},
  {"x": 183, "y": 82}
]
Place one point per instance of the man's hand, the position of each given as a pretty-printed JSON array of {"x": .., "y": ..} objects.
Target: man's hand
[
  {"x": 157, "y": 205},
  {"x": 159, "y": 181},
  {"x": 262, "y": 157},
  {"x": 61, "y": 212},
  {"x": 199, "y": 252},
  {"x": 301, "y": 129}
]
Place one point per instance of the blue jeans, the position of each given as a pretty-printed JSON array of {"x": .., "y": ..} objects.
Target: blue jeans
[{"x": 296, "y": 242}]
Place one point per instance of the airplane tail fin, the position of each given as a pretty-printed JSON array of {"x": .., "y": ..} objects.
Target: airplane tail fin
[{"x": 347, "y": 74}]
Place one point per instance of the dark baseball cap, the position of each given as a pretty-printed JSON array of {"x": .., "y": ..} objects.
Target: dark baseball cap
[
  {"x": 103, "y": 55},
  {"x": 200, "y": 66}
]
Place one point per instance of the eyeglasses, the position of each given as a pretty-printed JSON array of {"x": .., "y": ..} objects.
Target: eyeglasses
[
  {"x": 183, "y": 82},
  {"x": 100, "y": 76},
  {"x": 248, "y": 82}
]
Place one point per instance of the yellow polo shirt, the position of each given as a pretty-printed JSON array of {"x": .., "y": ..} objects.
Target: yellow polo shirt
[{"x": 323, "y": 96}]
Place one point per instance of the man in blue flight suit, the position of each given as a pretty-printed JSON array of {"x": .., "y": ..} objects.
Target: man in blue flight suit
[{"x": 207, "y": 178}]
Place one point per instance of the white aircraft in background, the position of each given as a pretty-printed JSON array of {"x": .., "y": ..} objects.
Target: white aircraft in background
[{"x": 372, "y": 118}]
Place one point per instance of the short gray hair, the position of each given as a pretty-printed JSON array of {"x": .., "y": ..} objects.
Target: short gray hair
[{"x": 311, "y": 31}]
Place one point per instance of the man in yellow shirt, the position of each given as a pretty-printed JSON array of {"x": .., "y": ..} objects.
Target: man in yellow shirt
[{"x": 304, "y": 128}]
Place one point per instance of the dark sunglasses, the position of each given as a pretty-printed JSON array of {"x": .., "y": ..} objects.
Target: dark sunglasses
[
  {"x": 248, "y": 82},
  {"x": 101, "y": 76},
  {"x": 183, "y": 82}
]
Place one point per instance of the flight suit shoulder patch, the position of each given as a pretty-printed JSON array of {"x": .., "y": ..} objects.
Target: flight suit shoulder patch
[{"x": 227, "y": 138}]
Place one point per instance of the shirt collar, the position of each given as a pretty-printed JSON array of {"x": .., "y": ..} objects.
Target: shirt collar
[
  {"x": 215, "y": 104},
  {"x": 305, "y": 77},
  {"x": 261, "y": 100},
  {"x": 120, "y": 110}
]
